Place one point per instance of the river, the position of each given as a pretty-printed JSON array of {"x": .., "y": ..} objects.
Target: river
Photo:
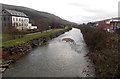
[{"x": 56, "y": 58}]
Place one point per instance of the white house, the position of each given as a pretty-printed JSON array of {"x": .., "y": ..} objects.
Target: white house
[
  {"x": 17, "y": 19},
  {"x": 31, "y": 27}
]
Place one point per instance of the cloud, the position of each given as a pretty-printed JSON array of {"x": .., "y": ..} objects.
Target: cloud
[
  {"x": 96, "y": 17},
  {"x": 75, "y": 4},
  {"x": 87, "y": 9},
  {"x": 119, "y": 9},
  {"x": 73, "y": 10}
]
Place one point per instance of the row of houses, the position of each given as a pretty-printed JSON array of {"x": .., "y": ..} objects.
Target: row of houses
[
  {"x": 16, "y": 19},
  {"x": 108, "y": 24}
]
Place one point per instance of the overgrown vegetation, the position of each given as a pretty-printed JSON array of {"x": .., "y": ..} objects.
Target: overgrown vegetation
[
  {"x": 104, "y": 51},
  {"x": 27, "y": 37}
]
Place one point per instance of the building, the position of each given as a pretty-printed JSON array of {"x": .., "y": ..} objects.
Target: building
[
  {"x": 13, "y": 18},
  {"x": 30, "y": 27},
  {"x": 111, "y": 24},
  {"x": 103, "y": 24},
  {"x": 115, "y": 23}
]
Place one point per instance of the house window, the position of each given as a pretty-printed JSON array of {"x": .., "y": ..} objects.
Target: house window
[
  {"x": 4, "y": 18},
  {"x": 22, "y": 24},
  {"x": 13, "y": 19},
  {"x": 16, "y": 19},
  {"x": 19, "y": 24},
  {"x": 8, "y": 19},
  {"x": 16, "y": 24}
]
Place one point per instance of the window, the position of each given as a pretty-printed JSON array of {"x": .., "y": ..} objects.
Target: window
[
  {"x": 8, "y": 18},
  {"x": 16, "y": 24},
  {"x": 16, "y": 19},
  {"x": 19, "y": 24},
  {"x": 22, "y": 24},
  {"x": 13, "y": 19},
  {"x": 4, "y": 18}
]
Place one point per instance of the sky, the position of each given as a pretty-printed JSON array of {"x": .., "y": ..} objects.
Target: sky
[{"x": 78, "y": 11}]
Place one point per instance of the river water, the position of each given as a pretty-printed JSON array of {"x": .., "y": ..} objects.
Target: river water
[{"x": 56, "y": 58}]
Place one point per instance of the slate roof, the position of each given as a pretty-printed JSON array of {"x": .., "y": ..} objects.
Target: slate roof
[{"x": 16, "y": 13}]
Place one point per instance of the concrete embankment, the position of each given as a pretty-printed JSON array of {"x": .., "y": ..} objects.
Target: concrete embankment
[{"x": 13, "y": 53}]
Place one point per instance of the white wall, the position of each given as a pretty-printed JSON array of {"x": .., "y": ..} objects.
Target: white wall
[{"x": 20, "y": 22}]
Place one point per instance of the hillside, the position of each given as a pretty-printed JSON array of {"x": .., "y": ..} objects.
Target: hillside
[{"x": 39, "y": 18}]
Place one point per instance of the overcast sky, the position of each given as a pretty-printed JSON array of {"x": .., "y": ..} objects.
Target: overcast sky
[{"x": 79, "y": 11}]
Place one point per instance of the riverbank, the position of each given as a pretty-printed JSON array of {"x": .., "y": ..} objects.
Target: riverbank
[
  {"x": 28, "y": 37},
  {"x": 103, "y": 51},
  {"x": 12, "y": 53}
]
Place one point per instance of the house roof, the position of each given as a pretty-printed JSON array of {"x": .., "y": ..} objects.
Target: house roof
[
  {"x": 16, "y": 13},
  {"x": 115, "y": 22},
  {"x": 117, "y": 18}
]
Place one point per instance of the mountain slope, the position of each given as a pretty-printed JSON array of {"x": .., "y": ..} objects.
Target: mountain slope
[{"x": 39, "y": 18}]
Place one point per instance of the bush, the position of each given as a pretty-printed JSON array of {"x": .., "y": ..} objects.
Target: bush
[{"x": 104, "y": 51}]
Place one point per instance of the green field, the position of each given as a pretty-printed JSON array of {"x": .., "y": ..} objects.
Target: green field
[
  {"x": 0, "y": 60},
  {"x": 27, "y": 37}
]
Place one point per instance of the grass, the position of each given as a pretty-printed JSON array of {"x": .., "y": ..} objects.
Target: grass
[
  {"x": 104, "y": 50},
  {"x": 7, "y": 37},
  {"x": 28, "y": 37},
  {"x": 0, "y": 60}
]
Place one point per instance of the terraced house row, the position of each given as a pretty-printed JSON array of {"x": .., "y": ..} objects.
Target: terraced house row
[{"x": 17, "y": 19}]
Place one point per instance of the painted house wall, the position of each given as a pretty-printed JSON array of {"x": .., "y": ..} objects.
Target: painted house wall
[
  {"x": 19, "y": 22},
  {"x": 6, "y": 19}
]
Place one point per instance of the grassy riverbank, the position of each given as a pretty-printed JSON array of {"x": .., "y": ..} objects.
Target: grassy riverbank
[
  {"x": 28, "y": 37},
  {"x": 104, "y": 51}
]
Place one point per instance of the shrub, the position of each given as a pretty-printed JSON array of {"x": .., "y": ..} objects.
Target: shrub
[{"x": 104, "y": 51}]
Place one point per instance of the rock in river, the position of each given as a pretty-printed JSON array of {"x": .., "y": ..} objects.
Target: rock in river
[{"x": 68, "y": 40}]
